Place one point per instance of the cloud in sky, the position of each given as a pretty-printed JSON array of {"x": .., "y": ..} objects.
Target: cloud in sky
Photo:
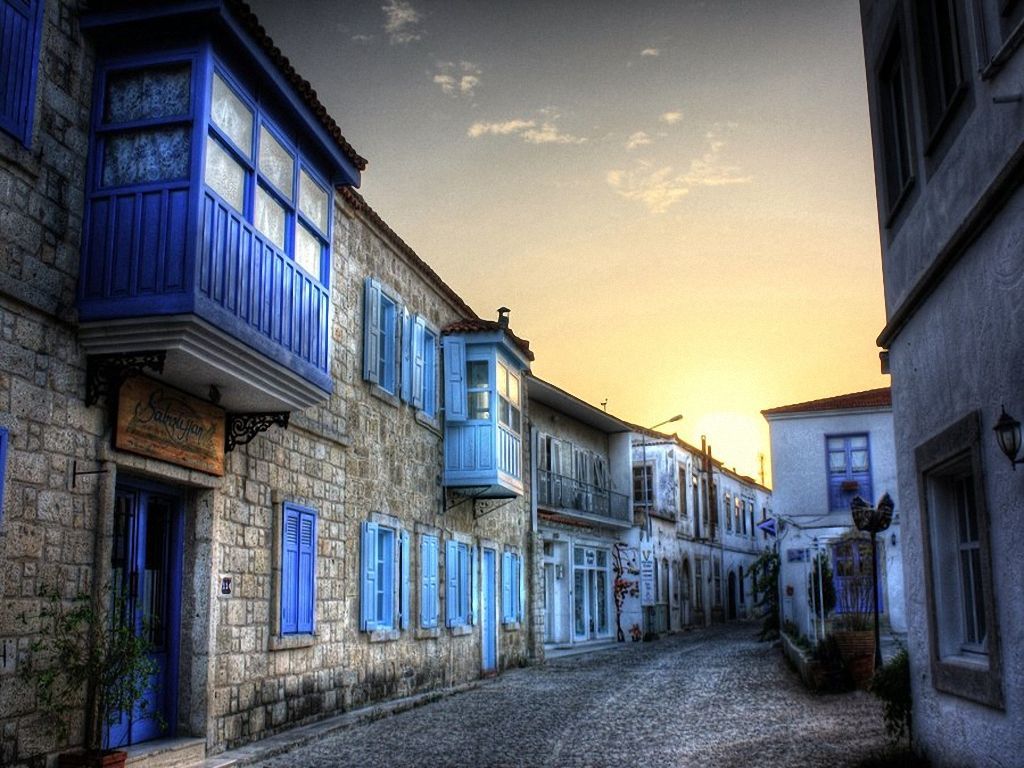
[
  {"x": 638, "y": 139},
  {"x": 651, "y": 52},
  {"x": 401, "y": 22},
  {"x": 361, "y": 38},
  {"x": 661, "y": 187},
  {"x": 546, "y": 132},
  {"x": 458, "y": 80},
  {"x": 671, "y": 118}
]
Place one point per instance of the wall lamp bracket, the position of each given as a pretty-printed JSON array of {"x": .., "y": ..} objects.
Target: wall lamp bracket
[{"x": 1007, "y": 431}]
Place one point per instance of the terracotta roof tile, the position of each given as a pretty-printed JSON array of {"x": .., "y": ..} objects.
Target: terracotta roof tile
[
  {"x": 870, "y": 398},
  {"x": 479, "y": 325}
]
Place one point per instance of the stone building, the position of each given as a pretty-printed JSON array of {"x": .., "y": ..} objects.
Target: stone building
[
  {"x": 226, "y": 384},
  {"x": 824, "y": 453},
  {"x": 944, "y": 93},
  {"x": 696, "y": 524}
]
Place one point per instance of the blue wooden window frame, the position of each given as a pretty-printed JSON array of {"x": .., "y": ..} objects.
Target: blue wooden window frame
[
  {"x": 847, "y": 481},
  {"x": 298, "y": 569},
  {"x": 377, "y": 583},
  {"x": 383, "y": 318},
  {"x": 429, "y": 603},
  {"x": 256, "y": 179},
  {"x": 21, "y": 26},
  {"x": 511, "y": 576},
  {"x": 458, "y": 584}
]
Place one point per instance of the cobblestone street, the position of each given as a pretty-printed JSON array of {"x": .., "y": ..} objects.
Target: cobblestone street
[{"x": 715, "y": 697}]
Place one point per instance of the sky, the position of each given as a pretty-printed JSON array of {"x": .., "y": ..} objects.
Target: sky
[{"x": 676, "y": 199}]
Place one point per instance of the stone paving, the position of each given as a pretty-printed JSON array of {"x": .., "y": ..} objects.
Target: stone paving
[{"x": 712, "y": 697}]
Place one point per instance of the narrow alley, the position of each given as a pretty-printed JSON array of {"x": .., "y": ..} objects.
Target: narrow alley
[{"x": 714, "y": 697}]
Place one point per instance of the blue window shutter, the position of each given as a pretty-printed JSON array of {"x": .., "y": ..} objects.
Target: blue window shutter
[
  {"x": 371, "y": 331},
  {"x": 290, "y": 571},
  {"x": 386, "y": 620},
  {"x": 428, "y": 581},
  {"x": 454, "y": 379},
  {"x": 21, "y": 22},
  {"x": 307, "y": 570},
  {"x": 518, "y": 588},
  {"x": 368, "y": 588},
  {"x": 451, "y": 583},
  {"x": 472, "y": 584},
  {"x": 3, "y": 467},
  {"x": 407, "y": 355},
  {"x": 403, "y": 581},
  {"x": 506, "y": 587},
  {"x": 418, "y": 357}
]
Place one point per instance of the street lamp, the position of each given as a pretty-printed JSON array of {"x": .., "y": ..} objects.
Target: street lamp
[{"x": 873, "y": 520}]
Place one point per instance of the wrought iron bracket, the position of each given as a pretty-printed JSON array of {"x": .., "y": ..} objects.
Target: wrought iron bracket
[
  {"x": 104, "y": 374},
  {"x": 463, "y": 495},
  {"x": 243, "y": 427},
  {"x": 477, "y": 514}
]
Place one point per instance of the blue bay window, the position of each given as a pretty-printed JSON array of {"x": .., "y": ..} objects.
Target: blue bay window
[
  {"x": 511, "y": 576},
  {"x": 298, "y": 570},
  {"x": 849, "y": 470},
  {"x": 483, "y": 414},
  {"x": 21, "y": 25},
  {"x": 209, "y": 210}
]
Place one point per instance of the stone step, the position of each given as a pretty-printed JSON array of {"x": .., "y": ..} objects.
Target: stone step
[{"x": 183, "y": 752}]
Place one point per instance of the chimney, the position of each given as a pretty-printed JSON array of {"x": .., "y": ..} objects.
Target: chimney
[{"x": 503, "y": 316}]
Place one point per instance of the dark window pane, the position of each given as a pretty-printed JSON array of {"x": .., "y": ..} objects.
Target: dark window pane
[
  {"x": 144, "y": 94},
  {"x": 159, "y": 154}
]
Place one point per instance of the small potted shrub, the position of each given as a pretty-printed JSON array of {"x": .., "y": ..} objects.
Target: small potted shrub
[{"x": 80, "y": 653}]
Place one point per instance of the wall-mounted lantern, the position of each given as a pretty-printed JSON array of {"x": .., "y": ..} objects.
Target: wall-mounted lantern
[{"x": 1007, "y": 431}]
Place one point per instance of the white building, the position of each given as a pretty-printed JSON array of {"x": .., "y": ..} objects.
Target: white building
[
  {"x": 696, "y": 523},
  {"x": 824, "y": 453},
  {"x": 582, "y": 511},
  {"x": 945, "y": 97}
]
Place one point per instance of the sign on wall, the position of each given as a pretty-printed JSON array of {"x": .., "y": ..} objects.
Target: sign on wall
[
  {"x": 647, "y": 574},
  {"x": 164, "y": 423}
]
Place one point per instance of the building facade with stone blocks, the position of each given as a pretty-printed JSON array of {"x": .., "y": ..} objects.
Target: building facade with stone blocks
[
  {"x": 824, "y": 453},
  {"x": 696, "y": 523},
  {"x": 944, "y": 94},
  {"x": 223, "y": 392},
  {"x": 583, "y": 513}
]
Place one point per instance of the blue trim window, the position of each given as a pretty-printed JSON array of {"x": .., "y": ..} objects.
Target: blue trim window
[
  {"x": 298, "y": 570},
  {"x": 849, "y": 470},
  {"x": 458, "y": 588},
  {"x": 511, "y": 577},
  {"x": 256, "y": 169},
  {"x": 377, "y": 589},
  {"x": 509, "y": 412},
  {"x": 429, "y": 607},
  {"x": 382, "y": 311},
  {"x": 21, "y": 25}
]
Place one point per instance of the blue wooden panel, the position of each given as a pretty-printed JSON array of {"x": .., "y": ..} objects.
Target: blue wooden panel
[
  {"x": 403, "y": 580},
  {"x": 20, "y": 29},
  {"x": 307, "y": 570},
  {"x": 3, "y": 467},
  {"x": 451, "y": 584},
  {"x": 506, "y": 587},
  {"x": 368, "y": 581},
  {"x": 454, "y": 379},
  {"x": 290, "y": 571}
]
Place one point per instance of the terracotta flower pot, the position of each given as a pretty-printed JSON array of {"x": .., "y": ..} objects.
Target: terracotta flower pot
[
  {"x": 857, "y": 648},
  {"x": 84, "y": 759}
]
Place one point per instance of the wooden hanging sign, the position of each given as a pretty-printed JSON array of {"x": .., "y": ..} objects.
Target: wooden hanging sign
[{"x": 156, "y": 420}]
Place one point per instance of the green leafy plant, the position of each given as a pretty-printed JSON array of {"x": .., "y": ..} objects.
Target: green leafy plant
[
  {"x": 81, "y": 652},
  {"x": 766, "y": 585},
  {"x": 891, "y": 684},
  {"x": 821, "y": 595}
]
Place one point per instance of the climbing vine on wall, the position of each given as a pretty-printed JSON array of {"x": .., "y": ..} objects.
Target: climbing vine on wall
[{"x": 624, "y": 563}]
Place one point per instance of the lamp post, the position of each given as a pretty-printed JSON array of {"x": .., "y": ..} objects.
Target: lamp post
[{"x": 873, "y": 520}]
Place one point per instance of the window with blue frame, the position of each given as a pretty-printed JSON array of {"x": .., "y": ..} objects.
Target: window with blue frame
[
  {"x": 298, "y": 570},
  {"x": 458, "y": 588},
  {"x": 849, "y": 470},
  {"x": 429, "y": 597},
  {"x": 21, "y": 25},
  {"x": 384, "y": 587},
  {"x": 257, "y": 169},
  {"x": 381, "y": 312},
  {"x": 511, "y": 575}
]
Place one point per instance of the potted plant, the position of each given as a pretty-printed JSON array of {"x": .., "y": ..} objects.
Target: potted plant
[
  {"x": 82, "y": 652},
  {"x": 853, "y": 629}
]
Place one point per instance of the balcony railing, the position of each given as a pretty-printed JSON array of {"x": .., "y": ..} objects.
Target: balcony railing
[{"x": 565, "y": 493}]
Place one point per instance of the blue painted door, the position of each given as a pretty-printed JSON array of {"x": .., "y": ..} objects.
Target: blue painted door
[
  {"x": 146, "y": 572},
  {"x": 489, "y": 617}
]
